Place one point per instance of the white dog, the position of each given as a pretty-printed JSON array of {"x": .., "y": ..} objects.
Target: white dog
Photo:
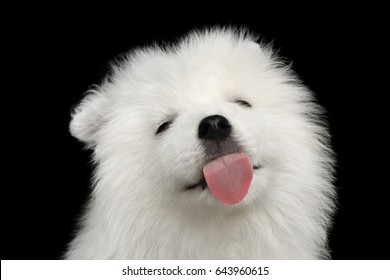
[{"x": 208, "y": 149}]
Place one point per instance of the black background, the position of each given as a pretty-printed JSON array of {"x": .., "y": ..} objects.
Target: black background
[{"x": 51, "y": 59}]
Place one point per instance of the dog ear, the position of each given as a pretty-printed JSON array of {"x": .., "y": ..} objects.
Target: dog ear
[{"x": 87, "y": 117}]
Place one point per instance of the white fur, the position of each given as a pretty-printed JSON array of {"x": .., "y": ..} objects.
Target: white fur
[{"x": 139, "y": 209}]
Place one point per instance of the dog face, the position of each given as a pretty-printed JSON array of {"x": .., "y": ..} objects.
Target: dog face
[{"x": 164, "y": 115}]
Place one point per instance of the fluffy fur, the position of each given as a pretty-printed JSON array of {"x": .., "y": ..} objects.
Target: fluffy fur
[{"x": 139, "y": 208}]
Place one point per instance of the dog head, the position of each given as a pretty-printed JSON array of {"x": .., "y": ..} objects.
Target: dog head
[{"x": 167, "y": 121}]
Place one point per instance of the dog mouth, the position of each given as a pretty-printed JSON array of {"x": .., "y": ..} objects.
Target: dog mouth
[
  {"x": 227, "y": 172},
  {"x": 202, "y": 184}
]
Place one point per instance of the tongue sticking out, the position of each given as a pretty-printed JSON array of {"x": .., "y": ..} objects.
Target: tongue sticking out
[{"x": 228, "y": 177}]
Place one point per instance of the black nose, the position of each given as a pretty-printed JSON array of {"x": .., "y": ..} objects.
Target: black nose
[{"x": 214, "y": 128}]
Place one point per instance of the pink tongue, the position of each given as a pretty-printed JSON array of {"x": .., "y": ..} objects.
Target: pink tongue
[{"x": 229, "y": 177}]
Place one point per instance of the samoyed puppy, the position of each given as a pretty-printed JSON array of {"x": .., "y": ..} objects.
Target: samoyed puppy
[{"x": 210, "y": 148}]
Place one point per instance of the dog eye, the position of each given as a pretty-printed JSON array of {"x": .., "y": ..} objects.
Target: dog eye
[
  {"x": 164, "y": 126},
  {"x": 243, "y": 103}
]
